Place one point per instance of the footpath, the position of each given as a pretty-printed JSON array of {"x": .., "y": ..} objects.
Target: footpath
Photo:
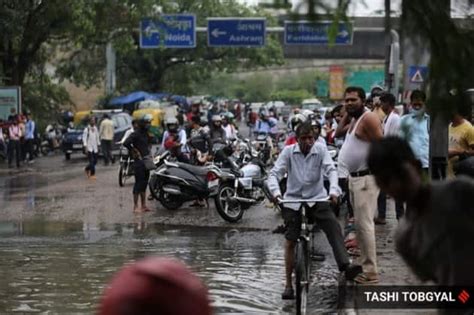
[{"x": 393, "y": 271}]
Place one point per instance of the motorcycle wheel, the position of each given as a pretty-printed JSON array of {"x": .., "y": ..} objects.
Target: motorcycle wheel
[
  {"x": 121, "y": 177},
  {"x": 168, "y": 201},
  {"x": 154, "y": 188},
  {"x": 231, "y": 211},
  {"x": 45, "y": 150}
]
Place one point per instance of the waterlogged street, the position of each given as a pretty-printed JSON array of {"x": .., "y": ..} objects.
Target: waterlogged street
[{"x": 62, "y": 237}]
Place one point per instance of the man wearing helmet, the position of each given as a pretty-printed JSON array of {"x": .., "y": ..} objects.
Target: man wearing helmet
[
  {"x": 264, "y": 123},
  {"x": 228, "y": 126},
  {"x": 195, "y": 110},
  {"x": 295, "y": 121},
  {"x": 174, "y": 139},
  {"x": 218, "y": 133},
  {"x": 138, "y": 146}
]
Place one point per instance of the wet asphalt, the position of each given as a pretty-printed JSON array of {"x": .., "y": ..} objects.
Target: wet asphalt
[{"x": 52, "y": 217}]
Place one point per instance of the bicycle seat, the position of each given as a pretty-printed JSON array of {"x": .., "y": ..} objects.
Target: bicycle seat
[{"x": 197, "y": 170}]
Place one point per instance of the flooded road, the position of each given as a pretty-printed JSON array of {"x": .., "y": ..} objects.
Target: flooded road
[{"x": 62, "y": 267}]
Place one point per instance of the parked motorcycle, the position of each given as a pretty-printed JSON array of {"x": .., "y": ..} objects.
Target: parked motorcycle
[
  {"x": 50, "y": 144},
  {"x": 240, "y": 189},
  {"x": 175, "y": 183}
]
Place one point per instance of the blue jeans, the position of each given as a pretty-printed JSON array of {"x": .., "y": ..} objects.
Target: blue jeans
[
  {"x": 382, "y": 206},
  {"x": 92, "y": 156}
]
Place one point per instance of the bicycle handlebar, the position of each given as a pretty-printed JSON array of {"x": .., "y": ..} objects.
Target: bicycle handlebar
[{"x": 283, "y": 201}]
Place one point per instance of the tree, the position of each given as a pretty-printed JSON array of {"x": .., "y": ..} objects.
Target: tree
[{"x": 173, "y": 70}]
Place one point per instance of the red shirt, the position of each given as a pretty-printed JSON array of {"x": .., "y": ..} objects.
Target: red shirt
[{"x": 290, "y": 140}]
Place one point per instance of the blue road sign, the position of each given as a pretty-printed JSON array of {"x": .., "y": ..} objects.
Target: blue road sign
[
  {"x": 417, "y": 74},
  {"x": 316, "y": 33},
  {"x": 246, "y": 32},
  {"x": 170, "y": 31}
]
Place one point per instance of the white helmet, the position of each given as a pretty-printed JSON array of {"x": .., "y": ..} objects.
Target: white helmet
[
  {"x": 216, "y": 118},
  {"x": 297, "y": 120},
  {"x": 171, "y": 121},
  {"x": 309, "y": 114}
]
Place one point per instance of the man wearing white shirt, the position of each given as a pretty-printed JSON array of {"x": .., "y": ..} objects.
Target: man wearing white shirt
[
  {"x": 91, "y": 142},
  {"x": 391, "y": 127}
]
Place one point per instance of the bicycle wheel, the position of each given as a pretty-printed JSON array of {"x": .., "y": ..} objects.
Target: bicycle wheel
[{"x": 301, "y": 277}]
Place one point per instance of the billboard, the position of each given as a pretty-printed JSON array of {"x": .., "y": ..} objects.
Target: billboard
[
  {"x": 336, "y": 82},
  {"x": 10, "y": 97}
]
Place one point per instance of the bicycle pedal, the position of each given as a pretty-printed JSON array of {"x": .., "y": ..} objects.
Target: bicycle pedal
[{"x": 318, "y": 257}]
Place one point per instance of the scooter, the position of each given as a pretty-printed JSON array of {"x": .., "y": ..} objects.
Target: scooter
[{"x": 174, "y": 183}]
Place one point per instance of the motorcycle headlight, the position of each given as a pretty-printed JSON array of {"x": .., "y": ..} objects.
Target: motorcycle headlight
[{"x": 79, "y": 137}]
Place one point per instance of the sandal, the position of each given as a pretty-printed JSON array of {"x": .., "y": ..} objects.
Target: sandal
[
  {"x": 353, "y": 251},
  {"x": 351, "y": 243},
  {"x": 363, "y": 278}
]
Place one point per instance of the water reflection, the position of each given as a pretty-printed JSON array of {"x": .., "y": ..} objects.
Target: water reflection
[{"x": 62, "y": 267}]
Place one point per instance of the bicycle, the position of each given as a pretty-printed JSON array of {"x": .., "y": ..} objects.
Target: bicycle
[{"x": 302, "y": 253}]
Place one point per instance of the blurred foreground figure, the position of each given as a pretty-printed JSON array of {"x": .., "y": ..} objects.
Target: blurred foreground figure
[
  {"x": 155, "y": 286},
  {"x": 435, "y": 237}
]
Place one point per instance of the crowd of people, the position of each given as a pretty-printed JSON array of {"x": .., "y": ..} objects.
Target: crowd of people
[
  {"x": 17, "y": 138},
  {"x": 367, "y": 131}
]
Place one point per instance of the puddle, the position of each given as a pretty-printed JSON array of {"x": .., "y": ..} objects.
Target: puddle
[{"x": 44, "y": 264}]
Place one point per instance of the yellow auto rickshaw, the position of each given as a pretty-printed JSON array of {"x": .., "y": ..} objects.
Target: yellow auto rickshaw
[
  {"x": 156, "y": 128},
  {"x": 80, "y": 116}
]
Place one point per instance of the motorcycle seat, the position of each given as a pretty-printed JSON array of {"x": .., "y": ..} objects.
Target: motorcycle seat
[{"x": 197, "y": 170}]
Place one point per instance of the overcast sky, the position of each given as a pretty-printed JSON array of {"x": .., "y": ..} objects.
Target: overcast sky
[{"x": 376, "y": 7}]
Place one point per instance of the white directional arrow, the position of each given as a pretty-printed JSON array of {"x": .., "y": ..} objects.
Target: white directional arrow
[
  {"x": 343, "y": 33},
  {"x": 216, "y": 33},
  {"x": 151, "y": 29}
]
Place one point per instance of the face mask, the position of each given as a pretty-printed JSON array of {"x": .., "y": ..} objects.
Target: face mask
[{"x": 416, "y": 112}]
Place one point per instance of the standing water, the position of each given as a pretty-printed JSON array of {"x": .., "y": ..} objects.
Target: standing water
[{"x": 62, "y": 268}]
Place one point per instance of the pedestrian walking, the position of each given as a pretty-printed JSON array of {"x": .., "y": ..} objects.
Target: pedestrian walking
[
  {"x": 391, "y": 127},
  {"x": 91, "y": 142},
  {"x": 30, "y": 129},
  {"x": 106, "y": 131},
  {"x": 138, "y": 146},
  {"x": 14, "y": 135},
  {"x": 361, "y": 127}
]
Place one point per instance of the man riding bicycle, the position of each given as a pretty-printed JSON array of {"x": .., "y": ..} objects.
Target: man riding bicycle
[{"x": 305, "y": 163}]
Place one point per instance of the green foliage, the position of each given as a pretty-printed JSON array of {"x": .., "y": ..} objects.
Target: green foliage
[
  {"x": 451, "y": 50},
  {"x": 171, "y": 70},
  {"x": 291, "y": 96},
  {"x": 45, "y": 100},
  {"x": 261, "y": 87}
]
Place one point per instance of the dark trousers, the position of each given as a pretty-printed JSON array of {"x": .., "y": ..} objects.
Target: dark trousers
[
  {"x": 344, "y": 184},
  {"x": 326, "y": 220},
  {"x": 141, "y": 177},
  {"x": 107, "y": 151},
  {"x": 382, "y": 206},
  {"x": 92, "y": 156},
  {"x": 14, "y": 151},
  {"x": 3, "y": 149},
  {"x": 28, "y": 149}
]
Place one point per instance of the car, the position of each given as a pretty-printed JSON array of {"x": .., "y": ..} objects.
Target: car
[
  {"x": 311, "y": 104},
  {"x": 285, "y": 112},
  {"x": 72, "y": 139}
]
